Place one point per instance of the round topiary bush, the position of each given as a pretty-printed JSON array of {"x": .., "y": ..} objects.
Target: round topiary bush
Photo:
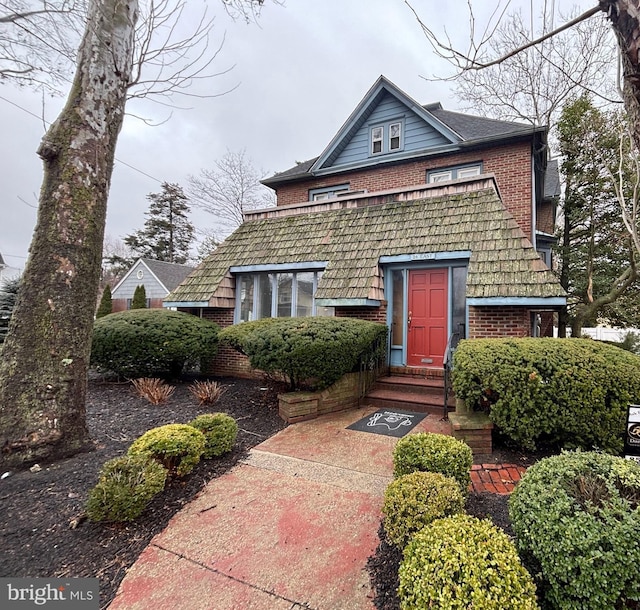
[
  {"x": 577, "y": 516},
  {"x": 177, "y": 447},
  {"x": 220, "y": 431},
  {"x": 415, "y": 500},
  {"x": 434, "y": 453},
  {"x": 461, "y": 562},
  {"x": 152, "y": 343},
  {"x": 125, "y": 487}
]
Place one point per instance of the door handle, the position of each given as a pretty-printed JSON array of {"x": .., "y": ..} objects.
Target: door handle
[{"x": 409, "y": 320}]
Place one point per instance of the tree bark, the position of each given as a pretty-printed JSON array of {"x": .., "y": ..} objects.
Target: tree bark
[
  {"x": 43, "y": 373},
  {"x": 624, "y": 16}
]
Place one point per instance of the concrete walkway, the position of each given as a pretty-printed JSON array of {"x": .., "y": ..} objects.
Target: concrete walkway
[{"x": 290, "y": 527}]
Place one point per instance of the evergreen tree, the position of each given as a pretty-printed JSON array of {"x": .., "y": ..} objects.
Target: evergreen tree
[
  {"x": 106, "y": 305},
  {"x": 598, "y": 269},
  {"x": 167, "y": 233},
  {"x": 8, "y": 296},
  {"x": 139, "y": 298}
]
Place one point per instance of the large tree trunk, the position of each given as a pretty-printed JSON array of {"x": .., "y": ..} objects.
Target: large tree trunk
[
  {"x": 625, "y": 20},
  {"x": 43, "y": 373}
]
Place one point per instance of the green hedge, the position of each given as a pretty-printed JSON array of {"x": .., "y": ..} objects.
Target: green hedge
[
  {"x": 567, "y": 392},
  {"x": 577, "y": 516},
  {"x": 152, "y": 343},
  {"x": 220, "y": 431},
  {"x": 461, "y": 562},
  {"x": 415, "y": 500},
  {"x": 310, "y": 351},
  {"x": 178, "y": 447},
  {"x": 125, "y": 487},
  {"x": 430, "y": 452}
]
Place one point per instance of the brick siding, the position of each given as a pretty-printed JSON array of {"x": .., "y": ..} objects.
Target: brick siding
[
  {"x": 511, "y": 165},
  {"x": 494, "y": 322}
]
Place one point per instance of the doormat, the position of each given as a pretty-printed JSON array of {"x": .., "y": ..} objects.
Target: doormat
[{"x": 389, "y": 423}]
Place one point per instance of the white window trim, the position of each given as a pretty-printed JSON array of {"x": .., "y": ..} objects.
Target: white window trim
[
  {"x": 400, "y": 136},
  {"x": 454, "y": 173},
  {"x": 328, "y": 192},
  {"x": 373, "y": 139}
]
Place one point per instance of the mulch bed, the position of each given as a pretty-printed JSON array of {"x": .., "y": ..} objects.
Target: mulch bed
[
  {"x": 43, "y": 529},
  {"x": 38, "y": 510}
]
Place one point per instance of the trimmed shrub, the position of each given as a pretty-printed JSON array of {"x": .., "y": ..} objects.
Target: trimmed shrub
[
  {"x": 567, "y": 392},
  {"x": 415, "y": 500},
  {"x": 576, "y": 515},
  {"x": 461, "y": 562},
  {"x": 310, "y": 351},
  {"x": 152, "y": 343},
  {"x": 177, "y": 447},
  {"x": 220, "y": 431},
  {"x": 434, "y": 453},
  {"x": 125, "y": 487}
]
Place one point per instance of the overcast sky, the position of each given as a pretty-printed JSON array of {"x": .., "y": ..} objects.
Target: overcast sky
[{"x": 300, "y": 72}]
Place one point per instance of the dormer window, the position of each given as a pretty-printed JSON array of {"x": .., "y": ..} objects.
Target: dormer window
[
  {"x": 376, "y": 140},
  {"x": 386, "y": 138}
]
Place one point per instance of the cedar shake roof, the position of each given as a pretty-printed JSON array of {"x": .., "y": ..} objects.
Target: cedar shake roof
[{"x": 503, "y": 261}]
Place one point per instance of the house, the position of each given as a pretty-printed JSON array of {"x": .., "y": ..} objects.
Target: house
[
  {"x": 430, "y": 221},
  {"x": 7, "y": 272},
  {"x": 157, "y": 277}
]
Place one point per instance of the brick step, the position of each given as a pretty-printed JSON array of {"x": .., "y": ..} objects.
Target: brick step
[
  {"x": 411, "y": 385},
  {"x": 420, "y": 373},
  {"x": 408, "y": 401}
]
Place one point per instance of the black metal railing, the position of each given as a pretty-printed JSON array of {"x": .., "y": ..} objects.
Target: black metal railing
[
  {"x": 452, "y": 343},
  {"x": 371, "y": 365}
]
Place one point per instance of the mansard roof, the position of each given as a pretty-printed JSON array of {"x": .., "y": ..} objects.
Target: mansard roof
[{"x": 353, "y": 241}]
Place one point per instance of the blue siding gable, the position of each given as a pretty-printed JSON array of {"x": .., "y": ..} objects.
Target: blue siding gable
[
  {"x": 384, "y": 104},
  {"x": 418, "y": 134}
]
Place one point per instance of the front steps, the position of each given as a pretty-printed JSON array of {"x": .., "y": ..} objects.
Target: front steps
[{"x": 411, "y": 389}]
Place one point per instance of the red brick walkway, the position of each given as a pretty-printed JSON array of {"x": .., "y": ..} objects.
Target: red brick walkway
[{"x": 495, "y": 478}]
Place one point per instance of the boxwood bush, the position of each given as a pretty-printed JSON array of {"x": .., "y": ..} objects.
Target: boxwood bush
[
  {"x": 577, "y": 516},
  {"x": 461, "y": 562},
  {"x": 125, "y": 487},
  {"x": 178, "y": 447},
  {"x": 565, "y": 392},
  {"x": 415, "y": 500},
  {"x": 220, "y": 431},
  {"x": 307, "y": 351},
  {"x": 152, "y": 343},
  {"x": 430, "y": 452}
]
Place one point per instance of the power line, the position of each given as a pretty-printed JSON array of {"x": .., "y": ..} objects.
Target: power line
[{"x": 135, "y": 169}]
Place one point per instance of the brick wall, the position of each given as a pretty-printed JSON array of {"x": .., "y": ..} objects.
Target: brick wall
[
  {"x": 545, "y": 219},
  {"x": 372, "y": 314},
  {"x": 511, "y": 165},
  {"x": 494, "y": 322}
]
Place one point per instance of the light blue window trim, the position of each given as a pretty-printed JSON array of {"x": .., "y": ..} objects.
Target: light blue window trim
[
  {"x": 347, "y": 303},
  {"x": 525, "y": 301},
  {"x": 380, "y": 137},
  {"x": 454, "y": 172},
  {"x": 425, "y": 257},
  {"x": 308, "y": 266},
  {"x": 253, "y": 279},
  {"x": 328, "y": 192},
  {"x": 191, "y": 304}
]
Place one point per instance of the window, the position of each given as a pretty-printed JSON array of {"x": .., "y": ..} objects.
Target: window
[
  {"x": 395, "y": 131},
  {"x": 454, "y": 173},
  {"x": 327, "y": 192},
  {"x": 278, "y": 295},
  {"x": 376, "y": 140},
  {"x": 386, "y": 138}
]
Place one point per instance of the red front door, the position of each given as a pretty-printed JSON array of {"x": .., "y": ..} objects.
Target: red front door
[{"x": 427, "y": 317}]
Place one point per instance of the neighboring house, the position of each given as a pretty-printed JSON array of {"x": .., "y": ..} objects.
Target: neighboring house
[
  {"x": 157, "y": 277},
  {"x": 6, "y": 271},
  {"x": 420, "y": 218}
]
